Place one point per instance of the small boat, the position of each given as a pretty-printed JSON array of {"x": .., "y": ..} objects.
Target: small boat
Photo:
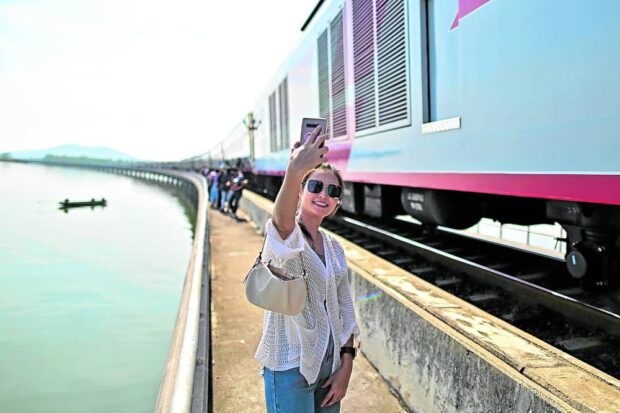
[{"x": 66, "y": 204}]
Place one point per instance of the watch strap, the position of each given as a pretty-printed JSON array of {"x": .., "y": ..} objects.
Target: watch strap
[{"x": 351, "y": 350}]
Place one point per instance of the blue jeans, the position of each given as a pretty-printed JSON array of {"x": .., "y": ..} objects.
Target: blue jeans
[
  {"x": 233, "y": 201},
  {"x": 288, "y": 392},
  {"x": 213, "y": 195}
]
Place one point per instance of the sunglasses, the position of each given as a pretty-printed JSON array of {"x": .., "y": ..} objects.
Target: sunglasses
[{"x": 315, "y": 187}]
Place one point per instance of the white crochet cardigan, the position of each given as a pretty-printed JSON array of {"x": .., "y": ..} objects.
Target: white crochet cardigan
[{"x": 301, "y": 340}]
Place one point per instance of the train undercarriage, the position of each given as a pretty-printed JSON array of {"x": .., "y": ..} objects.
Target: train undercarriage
[{"x": 592, "y": 242}]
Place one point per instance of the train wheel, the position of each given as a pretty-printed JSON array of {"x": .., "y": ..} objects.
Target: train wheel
[{"x": 593, "y": 258}]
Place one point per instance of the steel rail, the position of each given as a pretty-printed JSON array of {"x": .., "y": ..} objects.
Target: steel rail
[{"x": 575, "y": 310}]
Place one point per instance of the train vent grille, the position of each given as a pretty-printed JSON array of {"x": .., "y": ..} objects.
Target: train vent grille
[
  {"x": 284, "y": 121},
  {"x": 363, "y": 64},
  {"x": 323, "y": 60},
  {"x": 339, "y": 113},
  {"x": 391, "y": 61},
  {"x": 273, "y": 132}
]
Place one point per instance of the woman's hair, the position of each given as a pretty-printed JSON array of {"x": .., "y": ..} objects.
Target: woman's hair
[{"x": 322, "y": 167}]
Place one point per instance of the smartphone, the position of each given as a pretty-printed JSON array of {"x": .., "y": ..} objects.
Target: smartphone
[{"x": 309, "y": 124}]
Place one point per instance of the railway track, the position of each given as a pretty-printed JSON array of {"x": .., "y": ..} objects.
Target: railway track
[{"x": 531, "y": 291}]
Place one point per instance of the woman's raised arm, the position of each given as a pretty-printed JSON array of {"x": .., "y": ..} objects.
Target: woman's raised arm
[{"x": 304, "y": 157}]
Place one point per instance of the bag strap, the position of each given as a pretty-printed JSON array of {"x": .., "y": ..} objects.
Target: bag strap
[
  {"x": 260, "y": 253},
  {"x": 259, "y": 258},
  {"x": 301, "y": 257},
  {"x": 303, "y": 267}
]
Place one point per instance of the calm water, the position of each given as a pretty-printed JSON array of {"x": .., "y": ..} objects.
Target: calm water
[{"x": 88, "y": 298}]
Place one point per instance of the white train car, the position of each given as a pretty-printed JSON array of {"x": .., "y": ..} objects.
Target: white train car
[{"x": 455, "y": 110}]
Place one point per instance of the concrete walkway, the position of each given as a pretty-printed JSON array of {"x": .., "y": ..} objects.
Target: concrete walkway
[{"x": 237, "y": 326}]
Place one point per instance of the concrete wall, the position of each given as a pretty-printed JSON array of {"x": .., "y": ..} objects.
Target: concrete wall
[{"x": 433, "y": 371}]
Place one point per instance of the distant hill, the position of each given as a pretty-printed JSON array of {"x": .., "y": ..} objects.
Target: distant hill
[{"x": 75, "y": 151}]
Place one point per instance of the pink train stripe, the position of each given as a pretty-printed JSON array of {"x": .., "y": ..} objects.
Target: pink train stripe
[{"x": 600, "y": 189}]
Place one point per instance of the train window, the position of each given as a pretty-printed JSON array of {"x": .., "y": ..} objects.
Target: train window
[
  {"x": 442, "y": 75},
  {"x": 380, "y": 55},
  {"x": 330, "y": 59}
]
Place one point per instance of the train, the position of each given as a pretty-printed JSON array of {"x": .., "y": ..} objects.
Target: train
[{"x": 455, "y": 110}]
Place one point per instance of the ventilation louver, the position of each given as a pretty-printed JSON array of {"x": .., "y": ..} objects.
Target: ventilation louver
[
  {"x": 339, "y": 114},
  {"x": 391, "y": 61},
  {"x": 323, "y": 60},
  {"x": 332, "y": 97},
  {"x": 283, "y": 106},
  {"x": 379, "y": 63},
  {"x": 363, "y": 64},
  {"x": 273, "y": 132}
]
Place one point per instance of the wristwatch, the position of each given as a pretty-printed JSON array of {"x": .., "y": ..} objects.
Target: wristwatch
[{"x": 351, "y": 350}]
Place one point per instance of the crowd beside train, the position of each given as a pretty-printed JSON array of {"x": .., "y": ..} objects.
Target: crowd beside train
[{"x": 225, "y": 189}]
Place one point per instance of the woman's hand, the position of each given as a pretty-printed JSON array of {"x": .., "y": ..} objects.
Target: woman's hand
[
  {"x": 339, "y": 382},
  {"x": 306, "y": 156}
]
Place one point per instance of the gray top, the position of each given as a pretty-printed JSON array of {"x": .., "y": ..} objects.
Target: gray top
[{"x": 322, "y": 257}]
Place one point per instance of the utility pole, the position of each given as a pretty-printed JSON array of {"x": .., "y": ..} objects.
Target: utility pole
[{"x": 252, "y": 124}]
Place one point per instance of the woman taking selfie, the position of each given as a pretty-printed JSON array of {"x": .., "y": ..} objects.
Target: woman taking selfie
[{"x": 308, "y": 358}]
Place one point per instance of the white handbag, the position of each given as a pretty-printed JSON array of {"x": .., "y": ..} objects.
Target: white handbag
[{"x": 273, "y": 289}]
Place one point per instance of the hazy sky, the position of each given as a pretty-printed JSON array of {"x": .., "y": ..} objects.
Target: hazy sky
[{"x": 159, "y": 80}]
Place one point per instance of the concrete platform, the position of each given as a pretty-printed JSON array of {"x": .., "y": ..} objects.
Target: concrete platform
[
  {"x": 236, "y": 329},
  {"x": 444, "y": 355}
]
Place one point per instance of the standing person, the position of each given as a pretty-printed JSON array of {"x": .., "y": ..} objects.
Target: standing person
[
  {"x": 236, "y": 188},
  {"x": 210, "y": 175},
  {"x": 223, "y": 188},
  {"x": 214, "y": 190},
  {"x": 307, "y": 359}
]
